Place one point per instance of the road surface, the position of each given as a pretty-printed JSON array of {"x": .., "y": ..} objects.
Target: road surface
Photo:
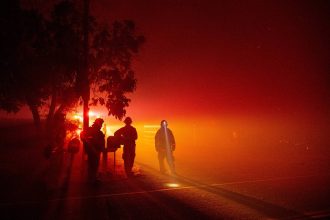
[{"x": 291, "y": 185}]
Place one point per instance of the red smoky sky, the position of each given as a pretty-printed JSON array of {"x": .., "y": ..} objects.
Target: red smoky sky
[
  {"x": 216, "y": 57},
  {"x": 228, "y": 57}
]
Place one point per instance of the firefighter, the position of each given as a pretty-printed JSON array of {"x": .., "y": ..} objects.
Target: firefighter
[
  {"x": 165, "y": 145},
  {"x": 127, "y": 136},
  {"x": 94, "y": 144}
]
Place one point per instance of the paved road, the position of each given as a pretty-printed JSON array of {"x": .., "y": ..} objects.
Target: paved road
[
  {"x": 240, "y": 185},
  {"x": 150, "y": 195}
]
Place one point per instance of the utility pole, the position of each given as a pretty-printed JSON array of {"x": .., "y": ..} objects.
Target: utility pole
[{"x": 85, "y": 80}]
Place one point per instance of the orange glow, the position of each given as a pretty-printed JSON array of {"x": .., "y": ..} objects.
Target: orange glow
[
  {"x": 93, "y": 114},
  {"x": 151, "y": 126},
  {"x": 172, "y": 185},
  {"x": 110, "y": 129},
  {"x": 78, "y": 117},
  {"x": 233, "y": 144},
  {"x": 78, "y": 131}
]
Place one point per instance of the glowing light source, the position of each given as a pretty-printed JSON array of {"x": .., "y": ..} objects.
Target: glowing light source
[
  {"x": 78, "y": 117},
  {"x": 91, "y": 113},
  {"x": 92, "y": 116},
  {"x": 172, "y": 185}
]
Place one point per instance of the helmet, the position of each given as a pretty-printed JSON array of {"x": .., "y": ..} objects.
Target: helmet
[
  {"x": 128, "y": 120},
  {"x": 163, "y": 123},
  {"x": 98, "y": 121}
]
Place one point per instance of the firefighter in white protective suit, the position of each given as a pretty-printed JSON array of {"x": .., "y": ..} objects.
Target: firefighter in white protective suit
[{"x": 165, "y": 145}]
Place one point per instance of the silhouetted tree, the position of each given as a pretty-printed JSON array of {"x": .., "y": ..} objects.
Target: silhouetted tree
[
  {"x": 41, "y": 60},
  {"x": 22, "y": 49},
  {"x": 112, "y": 74},
  {"x": 64, "y": 55}
]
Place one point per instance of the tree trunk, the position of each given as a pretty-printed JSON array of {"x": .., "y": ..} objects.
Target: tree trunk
[
  {"x": 85, "y": 90},
  {"x": 61, "y": 109},
  {"x": 51, "y": 111},
  {"x": 35, "y": 114}
]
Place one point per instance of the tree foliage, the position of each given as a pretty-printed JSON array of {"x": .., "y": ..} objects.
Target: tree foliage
[
  {"x": 41, "y": 60},
  {"x": 113, "y": 77},
  {"x": 22, "y": 53}
]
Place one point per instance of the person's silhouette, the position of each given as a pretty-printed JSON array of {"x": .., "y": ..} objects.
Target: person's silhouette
[
  {"x": 165, "y": 145},
  {"x": 127, "y": 136},
  {"x": 94, "y": 144}
]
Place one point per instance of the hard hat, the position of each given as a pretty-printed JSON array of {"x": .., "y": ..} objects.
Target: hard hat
[
  {"x": 128, "y": 120},
  {"x": 98, "y": 121},
  {"x": 163, "y": 123}
]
